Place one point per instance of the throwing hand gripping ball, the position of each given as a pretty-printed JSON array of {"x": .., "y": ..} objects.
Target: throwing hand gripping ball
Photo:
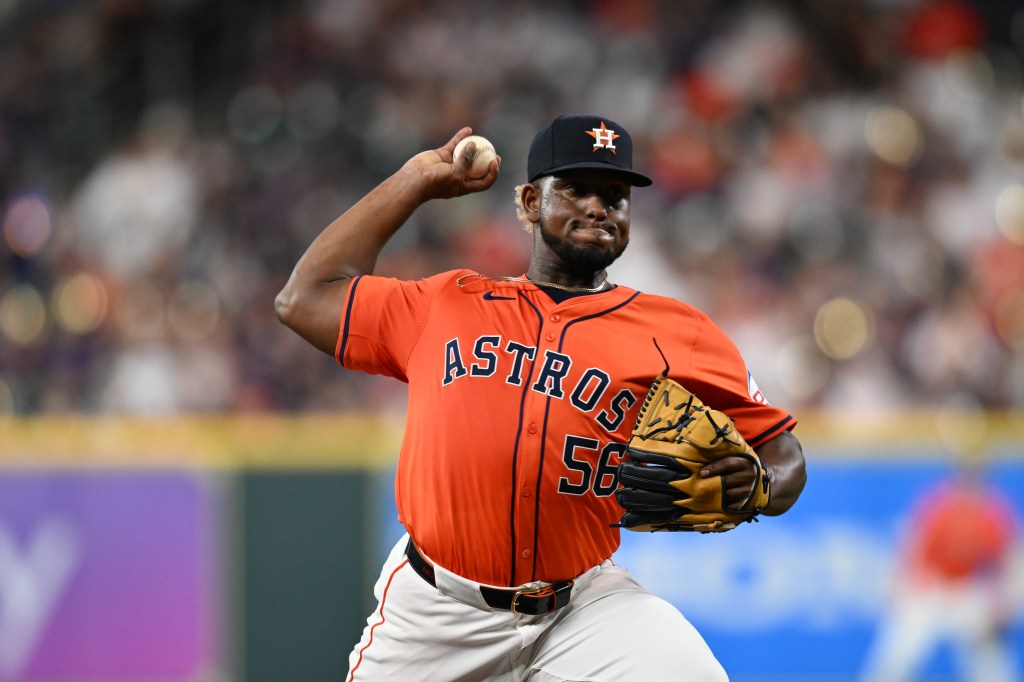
[{"x": 483, "y": 154}]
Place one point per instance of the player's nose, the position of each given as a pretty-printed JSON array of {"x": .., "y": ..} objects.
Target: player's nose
[{"x": 595, "y": 206}]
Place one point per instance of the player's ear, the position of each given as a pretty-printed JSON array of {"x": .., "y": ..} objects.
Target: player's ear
[{"x": 530, "y": 195}]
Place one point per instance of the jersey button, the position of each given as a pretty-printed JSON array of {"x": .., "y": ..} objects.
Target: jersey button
[
  {"x": 555, "y": 318},
  {"x": 527, "y": 554},
  {"x": 526, "y": 492},
  {"x": 532, "y": 428},
  {"x": 550, "y": 337}
]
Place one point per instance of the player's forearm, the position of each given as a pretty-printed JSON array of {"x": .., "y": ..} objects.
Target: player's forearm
[{"x": 784, "y": 459}]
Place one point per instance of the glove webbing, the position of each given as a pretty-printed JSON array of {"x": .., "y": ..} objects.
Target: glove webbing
[{"x": 685, "y": 410}]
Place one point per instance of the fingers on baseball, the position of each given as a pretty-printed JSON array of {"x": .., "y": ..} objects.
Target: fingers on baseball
[
  {"x": 471, "y": 184},
  {"x": 457, "y": 138},
  {"x": 489, "y": 177},
  {"x": 463, "y": 161}
]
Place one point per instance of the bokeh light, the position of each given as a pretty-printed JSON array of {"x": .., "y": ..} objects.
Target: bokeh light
[
  {"x": 893, "y": 135},
  {"x": 842, "y": 328},
  {"x": 1010, "y": 213},
  {"x": 27, "y": 225},
  {"x": 80, "y": 303},
  {"x": 23, "y": 315}
]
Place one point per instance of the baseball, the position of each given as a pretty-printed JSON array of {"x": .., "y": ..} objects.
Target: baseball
[{"x": 482, "y": 157}]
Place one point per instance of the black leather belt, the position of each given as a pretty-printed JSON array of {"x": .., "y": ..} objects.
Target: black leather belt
[{"x": 525, "y": 602}]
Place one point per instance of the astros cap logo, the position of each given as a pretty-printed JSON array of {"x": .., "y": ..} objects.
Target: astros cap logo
[{"x": 603, "y": 138}]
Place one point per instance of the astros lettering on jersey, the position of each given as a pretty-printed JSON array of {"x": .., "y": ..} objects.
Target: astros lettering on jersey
[{"x": 512, "y": 439}]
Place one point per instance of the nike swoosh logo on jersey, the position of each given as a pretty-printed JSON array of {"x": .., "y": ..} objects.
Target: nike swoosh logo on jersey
[{"x": 489, "y": 296}]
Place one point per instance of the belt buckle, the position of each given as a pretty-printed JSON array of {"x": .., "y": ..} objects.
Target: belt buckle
[
  {"x": 531, "y": 593},
  {"x": 547, "y": 591}
]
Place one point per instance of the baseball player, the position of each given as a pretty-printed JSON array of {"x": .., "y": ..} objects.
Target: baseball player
[
  {"x": 953, "y": 583},
  {"x": 523, "y": 393}
]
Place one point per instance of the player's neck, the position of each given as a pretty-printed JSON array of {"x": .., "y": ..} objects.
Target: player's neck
[
  {"x": 562, "y": 295},
  {"x": 557, "y": 279}
]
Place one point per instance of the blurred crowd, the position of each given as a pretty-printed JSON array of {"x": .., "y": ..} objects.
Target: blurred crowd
[{"x": 839, "y": 184}]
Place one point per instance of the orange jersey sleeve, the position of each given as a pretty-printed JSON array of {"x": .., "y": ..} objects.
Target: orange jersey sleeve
[{"x": 381, "y": 322}]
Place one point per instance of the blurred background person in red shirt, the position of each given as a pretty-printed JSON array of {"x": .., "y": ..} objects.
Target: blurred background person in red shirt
[{"x": 955, "y": 583}]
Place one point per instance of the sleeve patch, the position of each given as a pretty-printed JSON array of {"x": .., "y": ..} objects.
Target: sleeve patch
[{"x": 754, "y": 391}]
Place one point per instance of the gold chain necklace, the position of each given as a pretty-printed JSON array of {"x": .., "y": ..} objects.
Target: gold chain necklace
[
  {"x": 539, "y": 283},
  {"x": 574, "y": 290}
]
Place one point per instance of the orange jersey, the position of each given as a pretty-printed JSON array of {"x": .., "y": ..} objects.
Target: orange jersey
[
  {"x": 961, "y": 533},
  {"x": 520, "y": 408}
]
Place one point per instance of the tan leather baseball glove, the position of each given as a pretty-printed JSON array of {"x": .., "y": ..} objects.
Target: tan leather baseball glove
[{"x": 675, "y": 435}]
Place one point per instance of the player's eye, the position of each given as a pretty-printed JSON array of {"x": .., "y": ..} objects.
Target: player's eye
[{"x": 615, "y": 196}]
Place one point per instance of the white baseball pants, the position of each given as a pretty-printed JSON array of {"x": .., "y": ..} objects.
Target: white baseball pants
[{"x": 612, "y": 630}]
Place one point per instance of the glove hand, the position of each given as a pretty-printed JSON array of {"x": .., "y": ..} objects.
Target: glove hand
[{"x": 675, "y": 439}]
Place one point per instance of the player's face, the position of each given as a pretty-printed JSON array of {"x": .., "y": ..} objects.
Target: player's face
[{"x": 584, "y": 219}]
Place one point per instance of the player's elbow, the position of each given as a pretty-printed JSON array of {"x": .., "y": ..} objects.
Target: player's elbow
[
  {"x": 294, "y": 311},
  {"x": 311, "y": 312},
  {"x": 286, "y": 306}
]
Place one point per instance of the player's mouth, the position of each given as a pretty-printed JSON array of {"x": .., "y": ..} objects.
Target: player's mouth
[{"x": 595, "y": 232}]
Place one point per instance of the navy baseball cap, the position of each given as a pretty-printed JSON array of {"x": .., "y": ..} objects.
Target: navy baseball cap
[{"x": 583, "y": 143}]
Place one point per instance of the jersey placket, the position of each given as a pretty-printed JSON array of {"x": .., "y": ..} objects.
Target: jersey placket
[{"x": 544, "y": 386}]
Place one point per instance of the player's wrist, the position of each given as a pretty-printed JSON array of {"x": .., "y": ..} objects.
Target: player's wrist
[{"x": 412, "y": 185}]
